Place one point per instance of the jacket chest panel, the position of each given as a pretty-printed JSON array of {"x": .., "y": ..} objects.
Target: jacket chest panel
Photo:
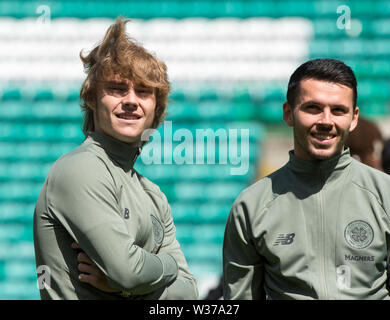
[
  {"x": 136, "y": 209},
  {"x": 362, "y": 240},
  {"x": 339, "y": 236}
]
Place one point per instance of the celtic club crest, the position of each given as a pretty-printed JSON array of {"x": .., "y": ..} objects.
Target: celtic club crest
[
  {"x": 358, "y": 234},
  {"x": 158, "y": 230}
]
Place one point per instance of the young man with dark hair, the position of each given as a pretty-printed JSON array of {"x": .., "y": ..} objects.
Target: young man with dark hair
[
  {"x": 93, "y": 199},
  {"x": 319, "y": 227}
]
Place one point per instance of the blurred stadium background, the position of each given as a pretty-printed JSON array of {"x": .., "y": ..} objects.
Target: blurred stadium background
[{"x": 229, "y": 63}]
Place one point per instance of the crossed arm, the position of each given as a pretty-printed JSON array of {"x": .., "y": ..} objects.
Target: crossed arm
[{"x": 86, "y": 206}]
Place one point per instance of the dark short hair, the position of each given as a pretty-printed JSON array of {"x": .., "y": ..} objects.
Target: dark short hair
[
  {"x": 330, "y": 70},
  {"x": 386, "y": 157}
]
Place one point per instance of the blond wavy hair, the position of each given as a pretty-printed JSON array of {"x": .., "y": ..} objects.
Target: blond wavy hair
[{"x": 120, "y": 55}]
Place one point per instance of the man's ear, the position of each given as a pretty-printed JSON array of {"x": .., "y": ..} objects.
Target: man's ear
[
  {"x": 355, "y": 119},
  {"x": 288, "y": 114}
]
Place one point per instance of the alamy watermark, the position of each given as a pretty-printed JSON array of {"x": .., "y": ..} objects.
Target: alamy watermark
[
  {"x": 45, "y": 15},
  {"x": 344, "y": 20},
  {"x": 232, "y": 147},
  {"x": 44, "y": 277}
]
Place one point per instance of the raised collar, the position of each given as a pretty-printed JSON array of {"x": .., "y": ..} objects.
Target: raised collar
[
  {"x": 327, "y": 166},
  {"x": 118, "y": 151}
]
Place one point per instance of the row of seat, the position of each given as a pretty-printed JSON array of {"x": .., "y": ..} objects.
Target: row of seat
[
  {"x": 175, "y": 52},
  {"x": 16, "y": 212},
  {"x": 178, "y": 111},
  {"x": 168, "y": 131},
  {"x": 19, "y": 289},
  {"x": 68, "y": 94},
  {"x": 210, "y": 233},
  {"x": 204, "y": 71},
  {"x": 351, "y": 48},
  {"x": 14, "y": 191},
  {"x": 184, "y": 212},
  {"x": 204, "y": 253},
  {"x": 371, "y": 27},
  {"x": 17, "y": 270},
  {"x": 182, "y": 9},
  {"x": 37, "y": 171},
  {"x": 19, "y": 250},
  {"x": 57, "y": 100},
  {"x": 39, "y": 151},
  {"x": 186, "y": 233},
  {"x": 82, "y": 33},
  {"x": 15, "y": 232},
  {"x": 181, "y": 54},
  {"x": 50, "y": 121}
]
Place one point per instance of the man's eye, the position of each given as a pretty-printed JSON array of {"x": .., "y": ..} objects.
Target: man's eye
[
  {"x": 339, "y": 110},
  {"x": 117, "y": 89},
  {"x": 144, "y": 91}
]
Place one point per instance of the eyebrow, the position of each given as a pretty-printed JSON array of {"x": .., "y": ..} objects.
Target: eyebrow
[
  {"x": 321, "y": 104},
  {"x": 116, "y": 83}
]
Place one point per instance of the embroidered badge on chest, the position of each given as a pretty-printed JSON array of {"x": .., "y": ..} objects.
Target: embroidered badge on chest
[
  {"x": 358, "y": 234},
  {"x": 158, "y": 230}
]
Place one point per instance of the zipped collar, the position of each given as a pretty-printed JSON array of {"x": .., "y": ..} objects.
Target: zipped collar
[
  {"x": 327, "y": 166},
  {"x": 118, "y": 151}
]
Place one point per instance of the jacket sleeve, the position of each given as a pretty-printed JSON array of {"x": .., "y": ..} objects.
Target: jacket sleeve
[
  {"x": 243, "y": 271},
  {"x": 82, "y": 196},
  {"x": 184, "y": 287}
]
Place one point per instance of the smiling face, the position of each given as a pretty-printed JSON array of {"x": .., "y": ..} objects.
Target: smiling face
[
  {"x": 322, "y": 119},
  {"x": 124, "y": 109}
]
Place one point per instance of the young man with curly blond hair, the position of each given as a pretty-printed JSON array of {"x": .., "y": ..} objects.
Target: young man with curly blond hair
[{"x": 94, "y": 201}]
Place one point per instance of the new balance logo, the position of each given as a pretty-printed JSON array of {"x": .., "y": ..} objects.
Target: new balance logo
[
  {"x": 127, "y": 213},
  {"x": 284, "y": 239}
]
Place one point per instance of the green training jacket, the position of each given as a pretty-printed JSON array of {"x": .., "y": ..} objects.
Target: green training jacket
[
  {"x": 311, "y": 230},
  {"x": 123, "y": 222}
]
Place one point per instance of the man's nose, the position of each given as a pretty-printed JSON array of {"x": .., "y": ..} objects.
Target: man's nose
[
  {"x": 326, "y": 117},
  {"x": 130, "y": 98}
]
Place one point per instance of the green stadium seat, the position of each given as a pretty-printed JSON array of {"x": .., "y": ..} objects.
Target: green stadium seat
[
  {"x": 205, "y": 269},
  {"x": 296, "y": 8},
  {"x": 203, "y": 252},
  {"x": 199, "y": 213},
  {"x": 241, "y": 94},
  {"x": 24, "y": 171},
  {"x": 362, "y": 8},
  {"x": 373, "y": 90},
  {"x": 11, "y": 93},
  {"x": 326, "y": 28},
  {"x": 20, "y": 250},
  {"x": 271, "y": 112},
  {"x": 374, "y": 109},
  {"x": 208, "y": 94},
  {"x": 380, "y": 68},
  {"x": 44, "y": 94},
  {"x": 15, "y": 232},
  {"x": 226, "y": 191},
  {"x": 19, "y": 270},
  {"x": 209, "y": 111},
  {"x": 19, "y": 290},
  {"x": 177, "y": 95},
  {"x": 40, "y": 132},
  {"x": 380, "y": 27},
  {"x": 39, "y": 151},
  {"x": 210, "y": 233},
  {"x": 17, "y": 212},
  {"x": 19, "y": 191}
]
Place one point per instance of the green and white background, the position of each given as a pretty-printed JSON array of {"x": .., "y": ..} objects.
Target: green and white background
[{"x": 229, "y": 64}]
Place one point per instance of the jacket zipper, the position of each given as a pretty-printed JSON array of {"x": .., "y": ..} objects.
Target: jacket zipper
[{"x": 323, "y": 251}]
